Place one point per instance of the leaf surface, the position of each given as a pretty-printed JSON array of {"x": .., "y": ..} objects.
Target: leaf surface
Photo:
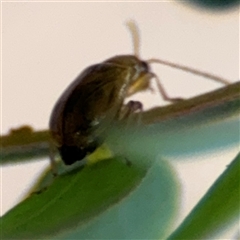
[{"x": 106, "y": 200}]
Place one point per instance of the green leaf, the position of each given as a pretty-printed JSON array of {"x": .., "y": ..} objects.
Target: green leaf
[
  {"x": 109, "y": 199},
  {"x": 217, "y": 210}
]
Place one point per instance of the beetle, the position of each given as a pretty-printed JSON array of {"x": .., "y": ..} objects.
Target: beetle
[{"x": 96, "y": 98}]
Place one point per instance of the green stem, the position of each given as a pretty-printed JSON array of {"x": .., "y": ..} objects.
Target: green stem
[
  {"x": 216, "y": 210},
  {"x": 24, "y": 144}
]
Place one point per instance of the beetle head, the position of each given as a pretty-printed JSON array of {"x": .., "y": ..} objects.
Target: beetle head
[{"x": 139, "y": 72}]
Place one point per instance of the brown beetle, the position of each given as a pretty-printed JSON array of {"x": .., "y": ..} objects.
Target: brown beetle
[
  {"x": 92, "y": 100},
  {"x": 96, "y": 99}
]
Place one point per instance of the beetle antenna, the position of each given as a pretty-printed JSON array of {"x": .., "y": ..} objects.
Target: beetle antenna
[
  {"x": 190, "y": 70},
  {"x": 163, "y": 92},
  {"x": 134, "y": 31}
]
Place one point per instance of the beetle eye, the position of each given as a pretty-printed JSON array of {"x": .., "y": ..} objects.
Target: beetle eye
[
  {"x": 71, "y": 154},
  {"x": 145, "y": 66}
]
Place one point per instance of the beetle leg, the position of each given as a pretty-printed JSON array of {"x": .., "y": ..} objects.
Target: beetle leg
[
  {"x": 130, "y": 108},
  {"x": 127, "y": 114},
  {"x": 163, "y": 92},
  {"x": 134, "y": 106},
  {"x": 52, "y": 154}
]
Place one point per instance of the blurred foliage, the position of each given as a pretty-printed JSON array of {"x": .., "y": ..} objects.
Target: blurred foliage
[
  {"x": 113, "y": 199},
  {"x": 215, "y": 4}
]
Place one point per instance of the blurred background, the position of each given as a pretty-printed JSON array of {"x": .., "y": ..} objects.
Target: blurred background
[{"x": 45, "y": 45}]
